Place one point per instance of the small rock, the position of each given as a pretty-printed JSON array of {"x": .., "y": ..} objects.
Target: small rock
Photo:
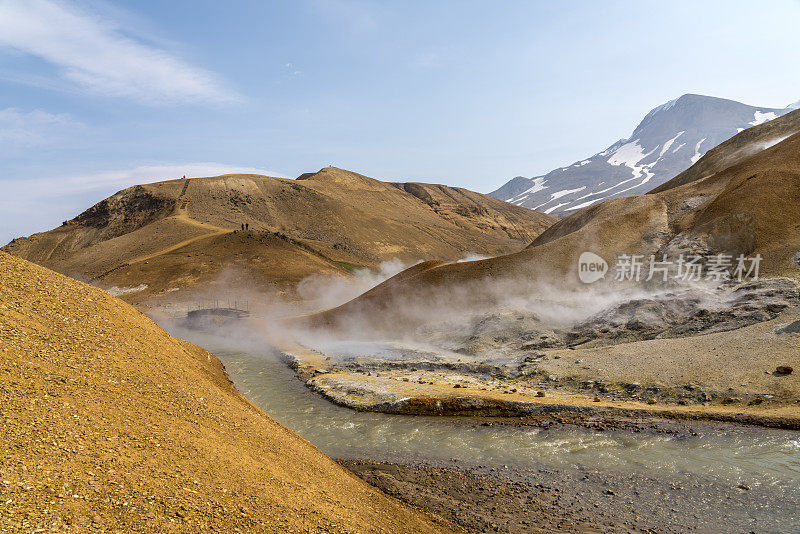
[
  {"x": 596, "y": 399},
  {"x": 540, "y": 394},
  {"x": 651, "y": 401},
  {"x": 96, "y": 519},
  {"x": 743, "y": 487},
  {"x": 784, "y": 370}
]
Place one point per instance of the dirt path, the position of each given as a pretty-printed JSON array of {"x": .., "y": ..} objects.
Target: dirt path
[{"x": 181, "y": 214}]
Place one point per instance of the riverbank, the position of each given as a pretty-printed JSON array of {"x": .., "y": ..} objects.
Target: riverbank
[
  {"x": 515, "y": 499},
  {"x": 726, "y": 376},
  {"x": 681, "y": 473}
]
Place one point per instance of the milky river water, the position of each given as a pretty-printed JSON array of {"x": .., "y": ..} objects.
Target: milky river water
[
  {"x": 755, "y": 456},
  {"x": 723, "y": 456}
]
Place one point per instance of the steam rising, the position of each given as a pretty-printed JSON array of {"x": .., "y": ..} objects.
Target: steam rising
[
  {"x": 321, "y": 292},
  {"x": 493, "y": 319}
]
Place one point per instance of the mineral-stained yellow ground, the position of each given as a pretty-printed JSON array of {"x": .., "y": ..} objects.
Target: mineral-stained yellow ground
[{"x": 109, "y": 424}]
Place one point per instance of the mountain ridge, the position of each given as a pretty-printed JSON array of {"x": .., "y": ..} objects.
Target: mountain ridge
[
  {"x": 180, "y": 234},
  {"x": 668, "y": 140},
  {"x": 746, "y": 209}
]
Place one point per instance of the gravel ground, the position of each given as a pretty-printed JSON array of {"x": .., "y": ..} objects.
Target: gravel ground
[
  {"x": 510, "y": 499},
  {"x": 108, "y": 424}
]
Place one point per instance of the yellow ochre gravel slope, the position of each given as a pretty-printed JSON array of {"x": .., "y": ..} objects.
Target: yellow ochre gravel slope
[{"x": 107, "y": 423}]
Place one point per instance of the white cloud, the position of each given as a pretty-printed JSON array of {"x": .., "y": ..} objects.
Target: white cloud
[
  {"x": 34, "y": 128},
  {"x": 94, "y": 54}
]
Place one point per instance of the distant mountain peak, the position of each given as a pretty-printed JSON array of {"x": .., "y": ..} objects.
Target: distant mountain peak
[{"x": 669, "y": 139}]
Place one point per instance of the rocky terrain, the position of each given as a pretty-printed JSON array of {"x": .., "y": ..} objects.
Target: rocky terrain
[
  {"x": 509, "y": 498},
  {"x": 108, "y": 424},
  {"x": 745, "y": 374},
  {"x": 669, "y": 314},
  {"x": 520, "y": 334}
]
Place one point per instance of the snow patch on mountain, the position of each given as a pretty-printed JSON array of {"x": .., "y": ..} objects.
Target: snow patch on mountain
[
  {"x": 697, "y": 153},
  {"x": 551, "y": 210},
  {"x": 584, "y": 205},
  {"x": 538, "y": 185},
  {"x": 760, "y": 118},
  {"x": 557, "y": 195},
  {"x": 669, "y": 143}
]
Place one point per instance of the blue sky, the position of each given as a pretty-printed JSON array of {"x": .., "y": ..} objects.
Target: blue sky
[{"x": 99, "y": 95}]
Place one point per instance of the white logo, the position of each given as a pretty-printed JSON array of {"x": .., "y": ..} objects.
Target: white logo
[{"x": 591, "y": 267}]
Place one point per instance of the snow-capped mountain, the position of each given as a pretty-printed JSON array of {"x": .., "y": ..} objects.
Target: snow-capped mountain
[{"x": 670, "y": 139}]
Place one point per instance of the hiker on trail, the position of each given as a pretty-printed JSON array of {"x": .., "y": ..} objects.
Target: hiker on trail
[
  {"x": 246, "y": 226},
  {"x": 242, "y": 227},
  {"x": 184, "y": 176}
]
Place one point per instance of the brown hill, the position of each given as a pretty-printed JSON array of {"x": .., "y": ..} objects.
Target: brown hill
[
  {"x": 187, "y": 233},
  {"x": 749, "y": 208},
  {"x": 110, "y": 424}
]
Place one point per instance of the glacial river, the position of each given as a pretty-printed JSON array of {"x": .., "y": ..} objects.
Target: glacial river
[{"x": 766, "y": 460}]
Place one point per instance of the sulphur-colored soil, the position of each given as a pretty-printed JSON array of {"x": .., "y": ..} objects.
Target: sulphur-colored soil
[{"x": 108, "y": 424}]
